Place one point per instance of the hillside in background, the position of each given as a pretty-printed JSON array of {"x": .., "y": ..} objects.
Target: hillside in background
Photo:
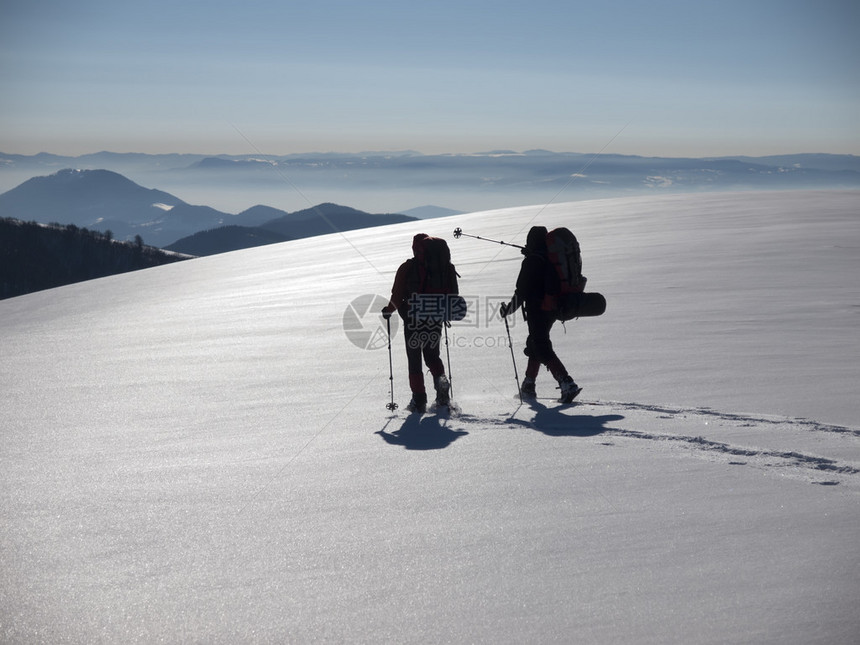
[
  {"x": 319, "y": 220},
  {"x": 102, "y": 200},
  {"x": 93, "y": 224},
  {"x": 225, "y": 239},
  {"x": 329, "y": 218},
  {"x": 34, "y": 257}
]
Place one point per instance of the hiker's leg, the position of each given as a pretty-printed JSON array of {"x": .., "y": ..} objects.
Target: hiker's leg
[
  {"x": 533, "y": 368},
  {"x": 539, "y": 346},
  {"x": 413, "y": 357},
  {"x": 432, "y": 352}
]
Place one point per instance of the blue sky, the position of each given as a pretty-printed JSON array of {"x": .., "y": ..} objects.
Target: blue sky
[{"x": 673, "y": 78}]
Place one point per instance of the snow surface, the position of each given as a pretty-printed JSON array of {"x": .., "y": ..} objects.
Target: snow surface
[{"x": 200, "y": 453}]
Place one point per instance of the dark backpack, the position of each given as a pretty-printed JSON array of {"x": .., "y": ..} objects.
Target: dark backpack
[
  {"x": 434, "y": 275},
  {"x": 564, "y": 280},
  {"x": 566, "y": 261}
]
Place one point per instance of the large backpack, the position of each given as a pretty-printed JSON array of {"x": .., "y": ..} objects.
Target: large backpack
[
  {"x": 564, "y": 296},
  {"x": 434, "y": 278},
  {"x": 435, "y": 270},
  {"x": 563, "y": 253}
]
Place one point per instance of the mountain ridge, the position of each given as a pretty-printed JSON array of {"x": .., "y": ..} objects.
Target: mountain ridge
[
  {"x": 309, "y": 222},
  {"x": 104, "y": 200},
  {"x": 394, "y": 181}
]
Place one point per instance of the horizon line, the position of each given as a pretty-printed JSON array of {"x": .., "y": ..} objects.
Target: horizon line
[{"x": 412, "y": 152}]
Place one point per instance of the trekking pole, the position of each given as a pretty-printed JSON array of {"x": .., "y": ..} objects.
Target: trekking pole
[
  {"x": 459, "y": 232},
  {"x": 514, "y": 360},
  {"x": 448, "y": 354},
  {"x": 392, "y": 405}
]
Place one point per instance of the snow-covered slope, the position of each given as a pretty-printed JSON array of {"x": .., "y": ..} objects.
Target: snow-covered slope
[{"x": 201, "y": 452}]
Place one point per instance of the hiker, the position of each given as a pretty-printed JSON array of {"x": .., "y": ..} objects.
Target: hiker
[
  {"x": 536, "y": 273},
  {"x": 420, "y": 287}
]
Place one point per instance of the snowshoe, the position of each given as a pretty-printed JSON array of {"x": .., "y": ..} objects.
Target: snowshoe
[
  {"x": 527, "y": 389},
  {"x": 443, "y": 390},
  {"x": 569, "y": 390},
  {"x": 418, "y": 403}
]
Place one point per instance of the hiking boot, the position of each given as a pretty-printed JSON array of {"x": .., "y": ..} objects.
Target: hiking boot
[
  {"x": 418, "y": 402},
  {"x": 569, "y": 390},
  {"x": 443, "y": 390},
  {"x": 527, "y": 390}
]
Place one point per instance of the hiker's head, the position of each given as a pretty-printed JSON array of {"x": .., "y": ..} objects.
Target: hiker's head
[
  {"x": 536, "y": 240},
  {"x": 417, "y": 246}
]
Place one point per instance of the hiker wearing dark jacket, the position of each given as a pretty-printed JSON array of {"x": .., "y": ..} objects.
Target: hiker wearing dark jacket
[
  {"x": 422, "y": 334},
  {"x": 535, "y": 274}
]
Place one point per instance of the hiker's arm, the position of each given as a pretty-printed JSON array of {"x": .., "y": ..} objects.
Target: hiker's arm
[
  {"x": 455, "y": 286},
  {"x": 530, "y": 282},
  {"x": 524, "y": 287},
  {"x": 398, "y": 291}
]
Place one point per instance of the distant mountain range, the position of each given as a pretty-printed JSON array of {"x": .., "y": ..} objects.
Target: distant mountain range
[
  {"x": 319, "y": 220},
  {"x": 106, "y": 191},
  {"x": 103, "y": 200},
  {"x": 514, "y": 166},
  {"x": 489, "y": 179}
]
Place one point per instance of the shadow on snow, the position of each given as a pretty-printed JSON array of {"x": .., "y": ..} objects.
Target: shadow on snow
[
  {"x": 422, "y": 432},
  {"x": 553, "y": 421},
  {"x": 429, "y": 431}
]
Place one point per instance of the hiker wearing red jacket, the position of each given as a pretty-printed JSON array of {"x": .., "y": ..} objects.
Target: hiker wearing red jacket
[{"x": 420, "y": 285}]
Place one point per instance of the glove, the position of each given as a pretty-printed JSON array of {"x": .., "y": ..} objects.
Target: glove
[
  {"x": 504, "y": 309},
  {"x": 386, "y": 312}
]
